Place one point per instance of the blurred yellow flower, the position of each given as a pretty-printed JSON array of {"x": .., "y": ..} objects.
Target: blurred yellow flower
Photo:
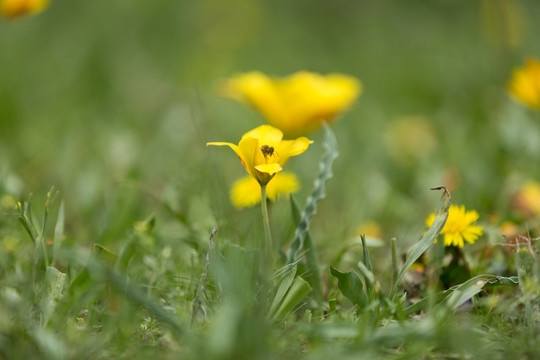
[
  {"x": 459, "y": 226},
  {"x": 525, "y": 84},
  {"x": 263, "y": 152},
  {"x": 527, "y": 199},
  {"x": 246, "y": 192},
  {"x": 503, "y": 23},
  {"x": 510, "y": 231},
  {"x": 410, "y": 138},
  {"x": 16, "y": 8},
  {"x": 8, "y": 202},
  {"x": 296, "y": 104},
  {"x": 371, "y": 229}
]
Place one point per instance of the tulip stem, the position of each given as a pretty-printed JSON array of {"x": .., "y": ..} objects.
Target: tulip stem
[{"x": 269, "y": 245}]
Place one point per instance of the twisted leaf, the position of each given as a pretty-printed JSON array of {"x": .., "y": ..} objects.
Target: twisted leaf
[{"x": 429, "y": 238}]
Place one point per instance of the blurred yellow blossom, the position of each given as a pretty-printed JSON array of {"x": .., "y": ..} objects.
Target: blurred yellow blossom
[
  {"x": 16, "y": 8},
  {"x": 503, "y": 22},
  {"x": 371, "y": 229},
  {"x": 410, "y": 138},
  {"x": 246, "y": 192},
  {"x": 8, "y": 202},
  {"x": 9, "y": 244},
  {"x": 296, "y": 104},
  {"x": 527, "y": 199},
  {"x": 510, "y": 231},
  {"x": 263, "y": 152},
  {"x": 525, "y": 84},
  {"x": 459, "y": 226}
]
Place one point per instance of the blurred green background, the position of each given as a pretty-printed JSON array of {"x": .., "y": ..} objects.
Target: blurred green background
[{"x": 113, "y": 102}]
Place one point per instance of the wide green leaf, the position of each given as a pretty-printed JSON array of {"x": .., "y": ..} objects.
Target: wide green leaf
[{"x": 351, "y": 286}]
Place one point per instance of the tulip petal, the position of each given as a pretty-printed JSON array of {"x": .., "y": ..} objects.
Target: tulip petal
[
  {"x": 249, "y": 147},
  {"x": 221, "y": 143},
  {"x": 270, "y": 169},
  {"x": 289, "y": 148},
  {"x": 246, "y": 163},
  {"x": 259, "y": 90},
  {"x": 298, "y": 103},
  {"x": 266, "y": 134}
]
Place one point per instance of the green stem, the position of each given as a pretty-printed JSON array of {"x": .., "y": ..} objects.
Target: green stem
[{"x": 268, "y": 253}]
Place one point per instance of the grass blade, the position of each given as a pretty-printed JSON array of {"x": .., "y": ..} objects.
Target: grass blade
[
  {"x": 58, "y": 232},
  {"x": 284, "y": 286},
  {"x": 429, "y": 238},
  {"x": 367, "y": 261},
  {"x": 298, "y": 290}
]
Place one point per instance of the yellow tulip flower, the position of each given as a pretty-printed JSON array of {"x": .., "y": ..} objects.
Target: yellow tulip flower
[
  {"x": 263, "y": 152},
  {"x": 296, "y": 104},
  {"x": 525, "y": 84},
  {"x": 16, "y": 8}
]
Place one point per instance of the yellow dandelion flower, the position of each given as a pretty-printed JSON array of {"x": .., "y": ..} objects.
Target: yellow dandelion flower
[
  {"x": 246, "y": 192},
  {"x": 16, "y": 8},
  {"x": 263, "y": 152},
  {"x": 525, "y": 84},
  {"x": 527, "y": 199},
  {"x": 296, "y": 104},
  {"x": 459, "y": 226}
]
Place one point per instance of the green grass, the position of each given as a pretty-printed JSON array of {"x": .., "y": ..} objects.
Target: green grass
[{"x": 105, "y": 110}]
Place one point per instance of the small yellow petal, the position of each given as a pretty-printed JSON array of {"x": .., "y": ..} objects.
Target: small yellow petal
[{"x": 270, "y": 169}]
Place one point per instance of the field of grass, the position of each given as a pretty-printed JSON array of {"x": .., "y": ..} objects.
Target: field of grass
[{"x": 118, "y": 237}]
